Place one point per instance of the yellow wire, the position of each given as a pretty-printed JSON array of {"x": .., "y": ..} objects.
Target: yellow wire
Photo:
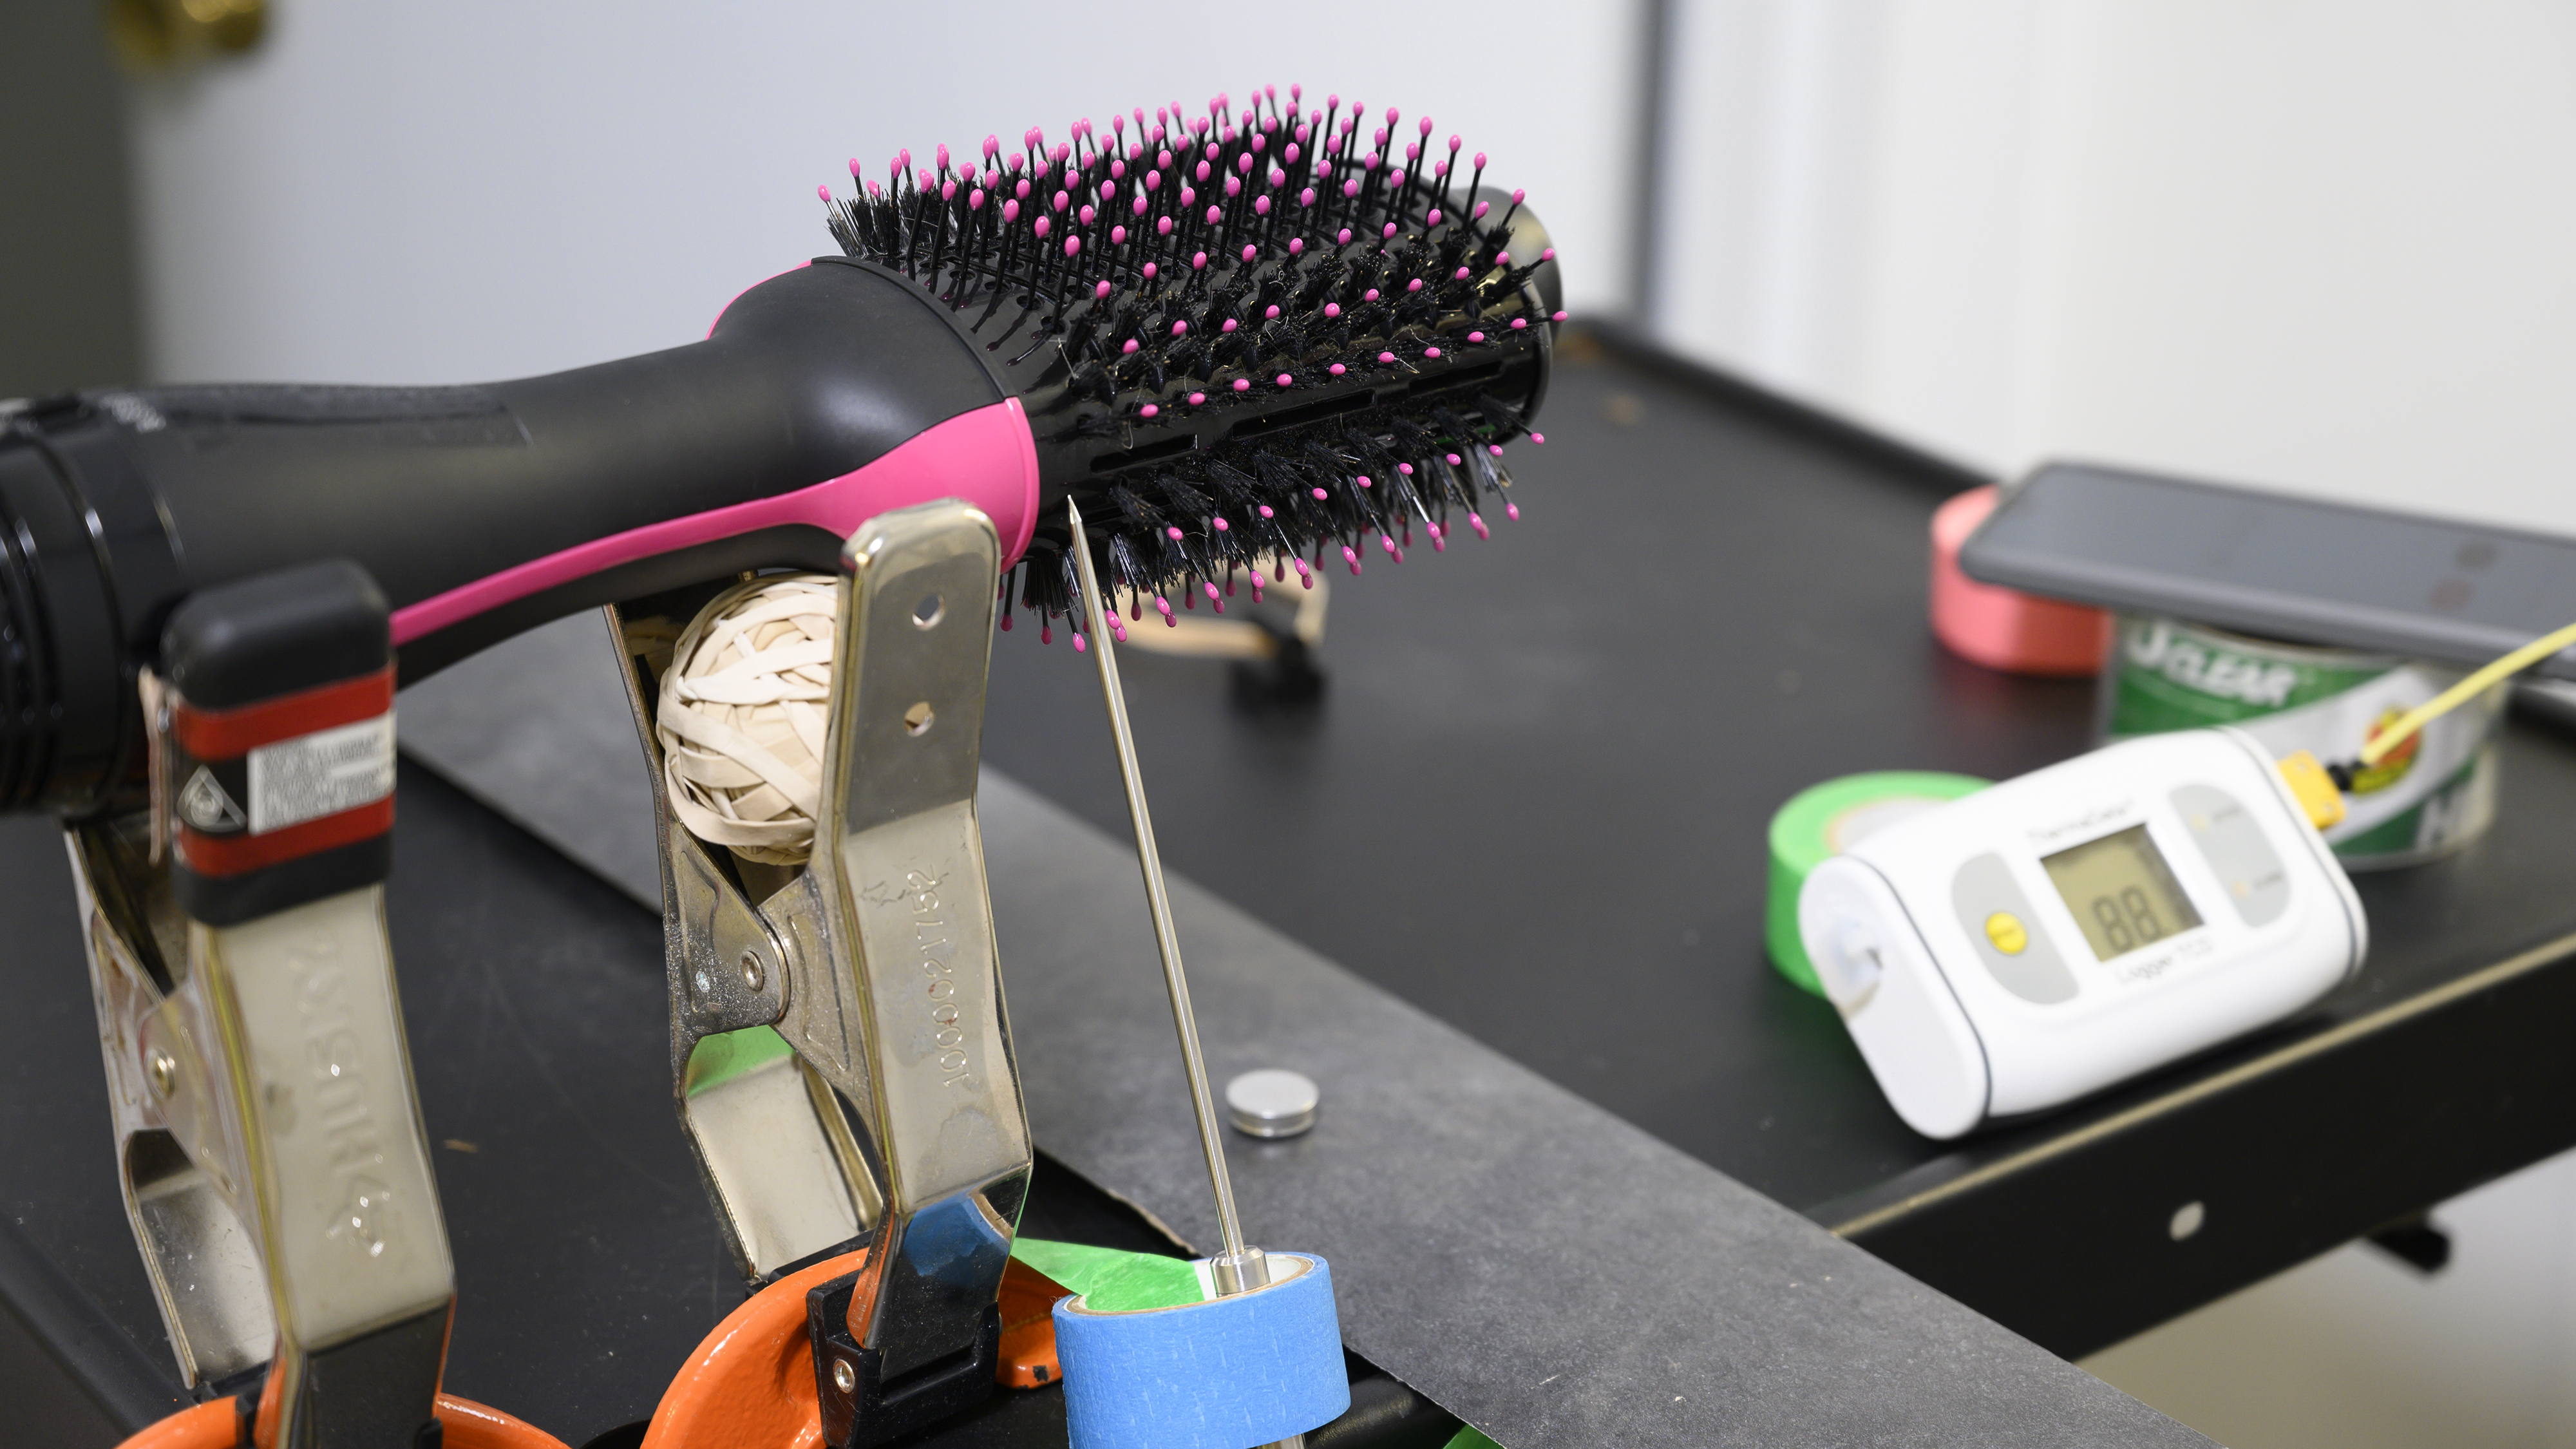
[{"x": 2467, "y": 689}]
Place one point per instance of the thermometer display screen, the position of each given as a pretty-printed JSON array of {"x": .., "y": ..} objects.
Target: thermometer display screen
[{"x": 2121, "y": 891}]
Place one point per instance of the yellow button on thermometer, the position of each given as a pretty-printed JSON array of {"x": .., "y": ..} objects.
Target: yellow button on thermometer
[{"x": 2005, "y": 930}]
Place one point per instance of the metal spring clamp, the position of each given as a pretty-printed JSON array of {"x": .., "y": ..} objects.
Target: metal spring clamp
[
  {"x": 273, "y": 1160},
  {"x": 839, "y": 1053}
]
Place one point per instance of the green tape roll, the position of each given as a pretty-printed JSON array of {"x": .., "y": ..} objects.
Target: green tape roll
[{"x": 1825, "y": 819}]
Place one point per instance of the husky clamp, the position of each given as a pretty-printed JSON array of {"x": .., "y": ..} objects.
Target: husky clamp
[
  {"x": 274, "y": 1164},
  {"x": 840, "y": 1056}
]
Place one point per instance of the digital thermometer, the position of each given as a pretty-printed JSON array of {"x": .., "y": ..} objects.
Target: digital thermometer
[{"x": 2059, "y": 932}]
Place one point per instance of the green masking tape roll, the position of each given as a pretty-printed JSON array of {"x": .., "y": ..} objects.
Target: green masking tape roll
[{"x": 1824, "y": 820}]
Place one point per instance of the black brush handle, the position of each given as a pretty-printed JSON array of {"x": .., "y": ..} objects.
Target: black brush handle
[{"x": 114, "y": 506}]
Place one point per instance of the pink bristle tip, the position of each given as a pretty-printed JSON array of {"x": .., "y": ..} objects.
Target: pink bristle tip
[
  {"x": 1128, "y": 347},
  {"x": 1462, "y": 275},
  {"x": 1389, "y": 232},
  {"x": 1512, "y": 511},
  {"x": 1337, "y": 369},
  {"x": 1413, "y": 286},
  {"x": 1285, "y": 379},
  {"x": 1102, "y": 290},
  {"x": 1547, "y": 255},
  {"x": 1321, "y": 495},
  {"x": 1431, "y": 352},
  {"x": 1386, "y": 357},
  {"x": 1475, "y": 336},
  {"x": 1538, "y": 437},
  {"x": 1404, "y": 468},
  {"x": 1179, "y": 328},
  {"x": 824, "y": 192},
  {"x": 1077, "y": 644},
  {"x": 1243, "y": 384},
  {"x": 1455, "y": 460},
  {"x": 1477, "y": 522},
  {"x": 1230, "y": 325},
  {"x": 1149, "y": 411},
  {"x": 1265, "y": 511},
  {"x": 1269, "y": 312},
  {"x": 1557, "y": 317},
  {"x": 1173, "y": 533},
  {"x": 1197, "y": 398},
  {"x": 1219, "y": 523},
  {"x": 1502, "y": 259},
  {"x": 1364, "y": 481},
  {"x": 1345, "y": 238},
  {"x": 1518, "y": 323},
  {"x": 1494, "y": 448}
]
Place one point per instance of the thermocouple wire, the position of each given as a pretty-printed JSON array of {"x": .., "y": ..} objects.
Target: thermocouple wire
[{"x": 1150, "y": 861}]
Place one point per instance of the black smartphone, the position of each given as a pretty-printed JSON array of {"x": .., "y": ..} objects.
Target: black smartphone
[{"x": 2279, "y": 565}]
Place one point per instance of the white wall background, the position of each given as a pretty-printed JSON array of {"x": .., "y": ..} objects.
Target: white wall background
[
  {"x": 2319, "y": 244},
  {"x": 391, "y": 192}
]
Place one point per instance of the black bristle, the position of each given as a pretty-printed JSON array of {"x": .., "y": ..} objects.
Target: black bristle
[{"x": 1349, "y": 318}]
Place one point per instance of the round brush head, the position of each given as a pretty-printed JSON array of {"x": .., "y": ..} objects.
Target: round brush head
[{"x": 1261, "y": 333}]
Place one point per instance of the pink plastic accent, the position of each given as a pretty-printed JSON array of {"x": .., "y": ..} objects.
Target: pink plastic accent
[
  {"x": 2004, "y": 628},
  {"x": 986, "y": 457}
]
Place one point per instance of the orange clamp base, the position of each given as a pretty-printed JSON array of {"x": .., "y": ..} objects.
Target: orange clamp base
[
  {"x": 464, "y": 1423},
  {"x": 751, "y": 1382},
  {"x": 1028, "y": 1328}
]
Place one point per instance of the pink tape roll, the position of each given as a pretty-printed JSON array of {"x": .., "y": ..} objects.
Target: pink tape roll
[{"x": 2004, "y": 628}]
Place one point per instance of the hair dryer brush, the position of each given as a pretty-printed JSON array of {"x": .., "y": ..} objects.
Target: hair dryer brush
[{"x": 1252, "y": 334}]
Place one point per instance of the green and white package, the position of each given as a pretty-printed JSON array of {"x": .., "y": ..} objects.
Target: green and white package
[{"x": 2426, "y": 798}]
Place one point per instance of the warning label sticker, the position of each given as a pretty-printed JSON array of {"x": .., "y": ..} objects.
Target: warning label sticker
[
  {"x": 205, "y": 805},
  {"x": 320, "y": 774}
]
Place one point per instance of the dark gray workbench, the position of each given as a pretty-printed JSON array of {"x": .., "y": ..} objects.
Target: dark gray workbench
[{"x": 1532, "y": 806}]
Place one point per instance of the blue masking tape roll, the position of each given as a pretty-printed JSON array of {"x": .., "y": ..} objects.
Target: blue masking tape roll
[{"x": 1228, "y": 1373}]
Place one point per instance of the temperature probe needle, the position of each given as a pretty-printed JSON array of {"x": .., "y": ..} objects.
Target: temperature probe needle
[{"x": 1239, "y": 1269}]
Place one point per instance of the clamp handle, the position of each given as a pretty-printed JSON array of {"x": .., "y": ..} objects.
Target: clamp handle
[{"x": 276, "y": 1171}]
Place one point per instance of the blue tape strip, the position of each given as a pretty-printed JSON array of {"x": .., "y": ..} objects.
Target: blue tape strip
[{"x": 1229, "y": 1373}]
